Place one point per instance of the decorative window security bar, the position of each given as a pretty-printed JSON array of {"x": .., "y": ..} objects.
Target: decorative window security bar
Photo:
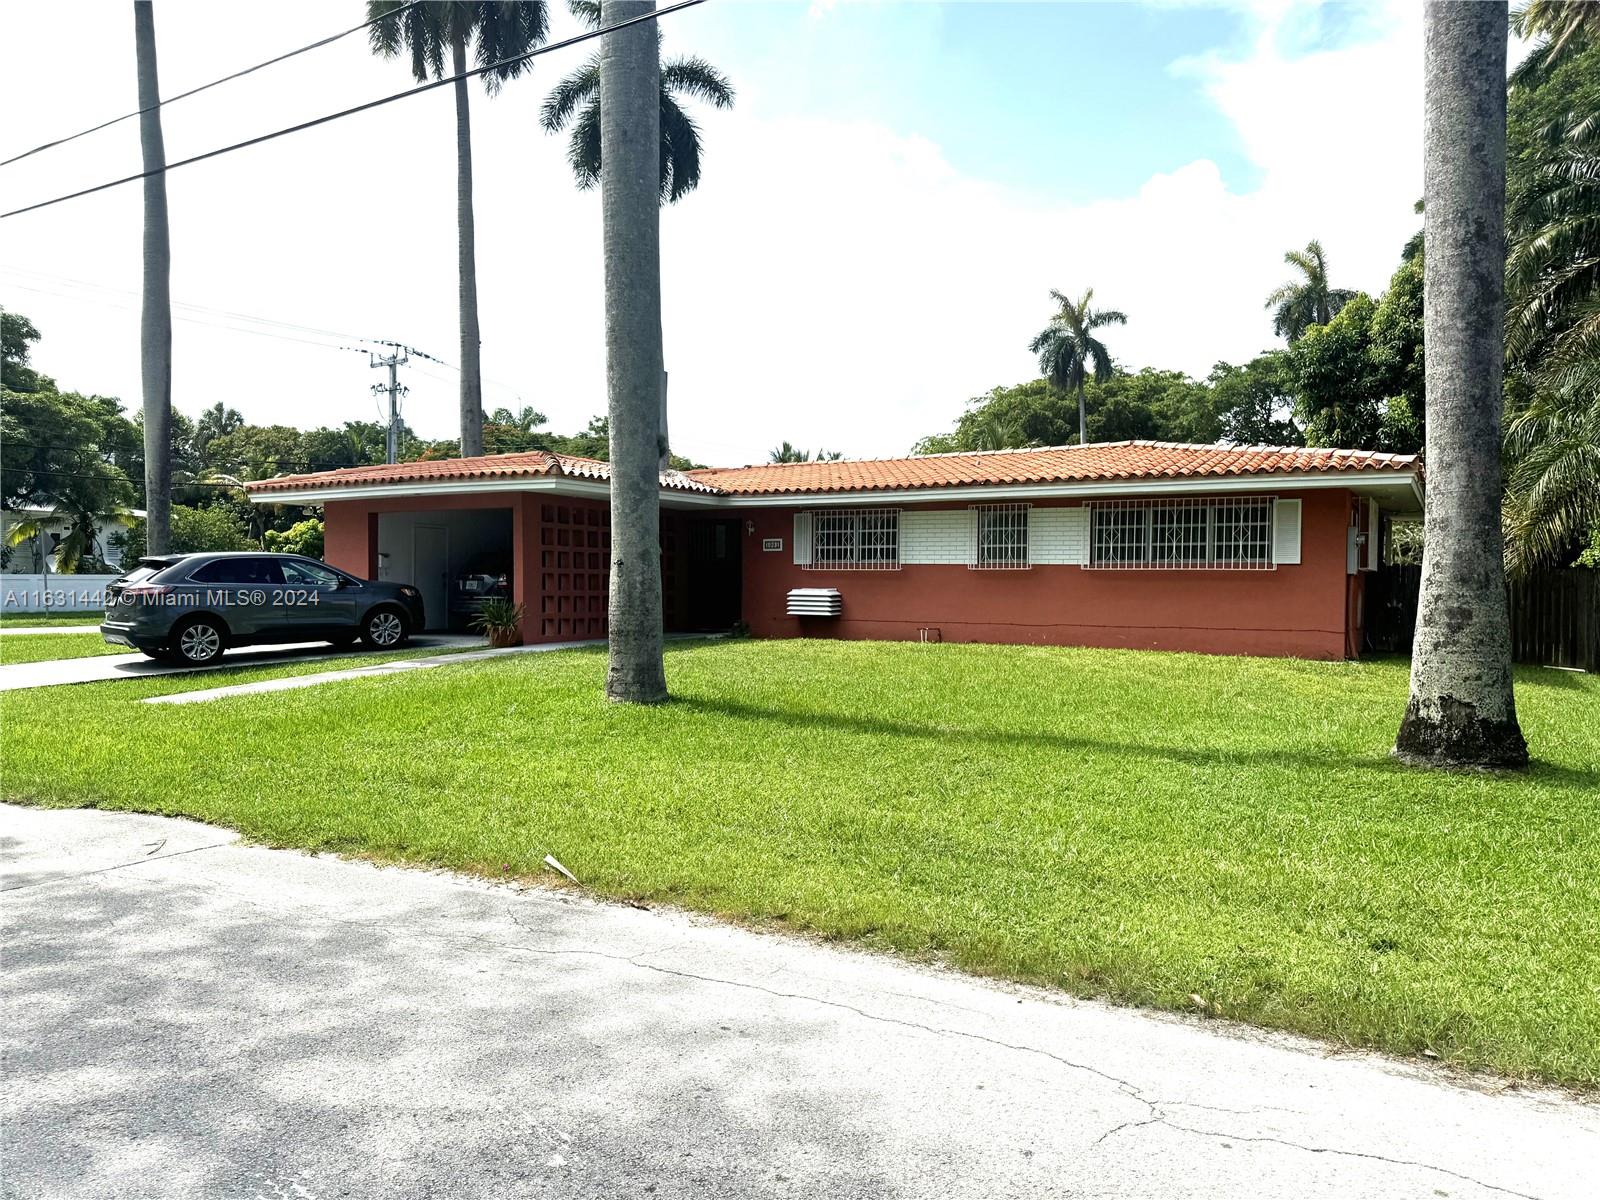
[
  {"x": 863, "y": 539},
  {"x": 1000, "y": 541},
  {"x": 1208, "y": 534}
]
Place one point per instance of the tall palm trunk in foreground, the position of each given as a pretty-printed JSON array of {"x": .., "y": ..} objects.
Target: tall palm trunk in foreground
[
  {"x": 630, "y": 140},
  {"x": 155, "y": 321},
  {"x": 1462, "y": 712},
  {"x": 467, "y": 260}
]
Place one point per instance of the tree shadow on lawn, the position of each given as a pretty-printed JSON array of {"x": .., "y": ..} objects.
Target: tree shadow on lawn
[{"x": 1572, "y": 778}]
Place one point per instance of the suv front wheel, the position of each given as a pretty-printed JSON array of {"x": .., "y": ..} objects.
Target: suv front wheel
[
  {"x": 384, "y": 629},
  {"x": 197, "y": 642}
]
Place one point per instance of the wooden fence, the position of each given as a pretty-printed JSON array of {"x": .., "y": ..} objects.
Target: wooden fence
[{"x": 1555, "y": 615}]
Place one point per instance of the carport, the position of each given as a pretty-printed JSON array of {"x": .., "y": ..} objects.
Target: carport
[{"x": 433, "y": 549}]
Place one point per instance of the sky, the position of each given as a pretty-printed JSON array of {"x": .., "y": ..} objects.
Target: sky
[{"x": 881, "y": 217}]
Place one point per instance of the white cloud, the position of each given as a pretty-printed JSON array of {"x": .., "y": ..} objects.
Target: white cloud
[{"x": 833, "y": 283}]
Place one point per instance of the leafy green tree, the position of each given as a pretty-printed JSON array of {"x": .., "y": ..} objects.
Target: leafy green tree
[
  {"x": 1069, "y": 353},
  {"x": 54, "y": 444},
  {"x": 496, "y": 32},
  {"x": 194, "y": 530},
  {"x": 1302, "y": 303},
  {"x": 303, "y": 537},
  {"x": 574, "y": 104},
  {"x": 1255, "y": 402},
  {"x": 17, "y": 336},
  {"x": 217, "y": 421}
]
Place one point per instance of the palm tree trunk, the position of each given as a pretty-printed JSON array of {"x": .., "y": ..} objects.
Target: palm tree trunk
[
  {"x": 467, "y": 257},
  {"x": 630, "y": 143},
  {"x": 1083, "y": 419},
  {"x": 1462, "y": 711},
  {"x": 155, "y": 321}
]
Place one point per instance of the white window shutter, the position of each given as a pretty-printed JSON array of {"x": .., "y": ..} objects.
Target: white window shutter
[
  {"x": 802, "y": 539},
  {"x": 1083, "y": 533},
  {"x": 1286, "y": 532}
]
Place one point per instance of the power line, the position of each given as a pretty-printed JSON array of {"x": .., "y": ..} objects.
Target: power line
[
  {"x": 317, "y": 45},
  {"x": 359, "y": 108}
]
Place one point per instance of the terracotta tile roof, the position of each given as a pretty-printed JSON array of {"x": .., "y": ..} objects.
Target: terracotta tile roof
[
  {"x": 526, "y": 465},
  {"x": 1097, "y": 461},
  {"x": 1100, "y": 461}
]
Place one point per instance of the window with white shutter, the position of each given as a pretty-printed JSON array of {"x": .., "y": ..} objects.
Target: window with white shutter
[
  {"x": 802, "y": 539},
  {"x": 1286, "y": 532}
]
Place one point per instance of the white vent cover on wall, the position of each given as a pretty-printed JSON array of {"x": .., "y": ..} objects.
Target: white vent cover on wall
[{"x": 815, "y": 602}]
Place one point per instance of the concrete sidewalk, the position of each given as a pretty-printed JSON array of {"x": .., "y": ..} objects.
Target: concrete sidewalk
[
  {"x": 188, "y": 1017},
  {"x": 97, "y": 669}
]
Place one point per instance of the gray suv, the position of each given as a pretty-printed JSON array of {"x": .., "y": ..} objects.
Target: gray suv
[{"x": 188, "y": 608}]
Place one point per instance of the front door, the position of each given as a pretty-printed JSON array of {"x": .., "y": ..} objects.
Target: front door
[{"x": 430, "y": 565}]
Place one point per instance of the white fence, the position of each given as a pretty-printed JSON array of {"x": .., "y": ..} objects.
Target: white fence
[{"x": 53, "y": 593}]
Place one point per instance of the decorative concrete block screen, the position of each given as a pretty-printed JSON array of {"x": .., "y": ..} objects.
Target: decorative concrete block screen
[
  {"x": 574, "y": 541},
  {"x": 58, "y": 593}
]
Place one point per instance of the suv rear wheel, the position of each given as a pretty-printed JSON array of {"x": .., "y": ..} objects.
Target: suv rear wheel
[
  {"x": 197, "y": 642},
  {"x": 384, "y": 629}
]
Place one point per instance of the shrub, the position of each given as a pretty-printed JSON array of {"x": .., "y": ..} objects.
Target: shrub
[
  {"x": 193, "y": 530},
  {"x": 303, "y": 537}
]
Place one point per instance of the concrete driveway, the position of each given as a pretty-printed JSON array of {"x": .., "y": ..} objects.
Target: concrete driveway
[
  {"x": 99, "y": 668},
  {"x": 185, "y": 1016}
]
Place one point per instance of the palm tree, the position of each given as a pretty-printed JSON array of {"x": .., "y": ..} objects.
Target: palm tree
[
  {"x": 155, "y": 319},
  {"x": 1462, "y": 711},
  {"x": 217, "y": 421},
  {"x": 1566, "y": 27},
  {"x": 1553, "y": 272},
  {"x": 575, "y": 101},
  {"x": 630, "y": 220},
  {"x": 793, "y": 454},
  {"x": 1302, "y": 303},
  {"x": 497, "y": 31},
  {"x": 1068, "y": 349},
  {"x": 85, "y": 507},
  {"x": 1552, "y": 448}
]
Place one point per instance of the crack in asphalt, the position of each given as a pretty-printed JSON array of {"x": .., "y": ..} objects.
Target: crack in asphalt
[
  {"x": 137, "y": 862},
  {"x": 1154, "y": 1106}
]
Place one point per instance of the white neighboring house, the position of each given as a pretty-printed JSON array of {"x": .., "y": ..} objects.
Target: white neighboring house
[{"x": 37, "y": 555}]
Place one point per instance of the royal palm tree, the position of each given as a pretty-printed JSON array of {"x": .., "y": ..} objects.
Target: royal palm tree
[
  {"x": 155, "y": 316},
  {"x": 630, "y": 220},
  {"x": 496, "y": 32},
  {"x": 1462, "y": 711},
  {"x": 1307, "y": 301},
  {"x": 575, "y": 101},
  {"x": 1068, "y": 350}
]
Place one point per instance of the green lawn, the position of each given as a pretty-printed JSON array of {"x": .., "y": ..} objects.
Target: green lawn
[
  {"x": 1137, "y": 826},
  {"x": 92, "y": 616},
  {"x": 40, "y": 647}
]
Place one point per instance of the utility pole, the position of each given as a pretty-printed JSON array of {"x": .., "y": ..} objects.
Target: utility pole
[{"x": 394, "y": 360}]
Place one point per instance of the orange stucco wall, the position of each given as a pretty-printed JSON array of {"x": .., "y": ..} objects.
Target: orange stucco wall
[
  {"x": 1309, "y": 610},
  {"x": 1296, "y": 610}
]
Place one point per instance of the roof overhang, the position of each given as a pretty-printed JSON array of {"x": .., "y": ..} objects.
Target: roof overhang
[{"x": 1396, "y": 491}]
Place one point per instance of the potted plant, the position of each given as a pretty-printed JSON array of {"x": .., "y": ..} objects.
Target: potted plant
[{"x": 501, "y": 620}]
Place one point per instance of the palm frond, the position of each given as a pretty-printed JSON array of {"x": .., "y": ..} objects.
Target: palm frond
[
  {"x": 695, "y": 77},
  {"x": 508, "y": 30},
  {"x": 587, "y": 12},
  {"x": 580, "y": 88},
  {"x": 680, "y": 151},
  {"x": 583, "y": 147}
]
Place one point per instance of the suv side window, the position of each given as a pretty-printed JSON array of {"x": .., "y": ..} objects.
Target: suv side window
[
  {"x": 308, "y": 574},
  {"x": 256, "y": 572}
]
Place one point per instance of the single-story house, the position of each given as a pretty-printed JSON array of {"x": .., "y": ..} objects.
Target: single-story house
[{"x": 1219, "y": 549}]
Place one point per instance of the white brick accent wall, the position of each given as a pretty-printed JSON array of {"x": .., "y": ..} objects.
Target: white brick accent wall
[
  {"x": 1058, "y": 535},
  {"x": 943, "y": 536}
]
